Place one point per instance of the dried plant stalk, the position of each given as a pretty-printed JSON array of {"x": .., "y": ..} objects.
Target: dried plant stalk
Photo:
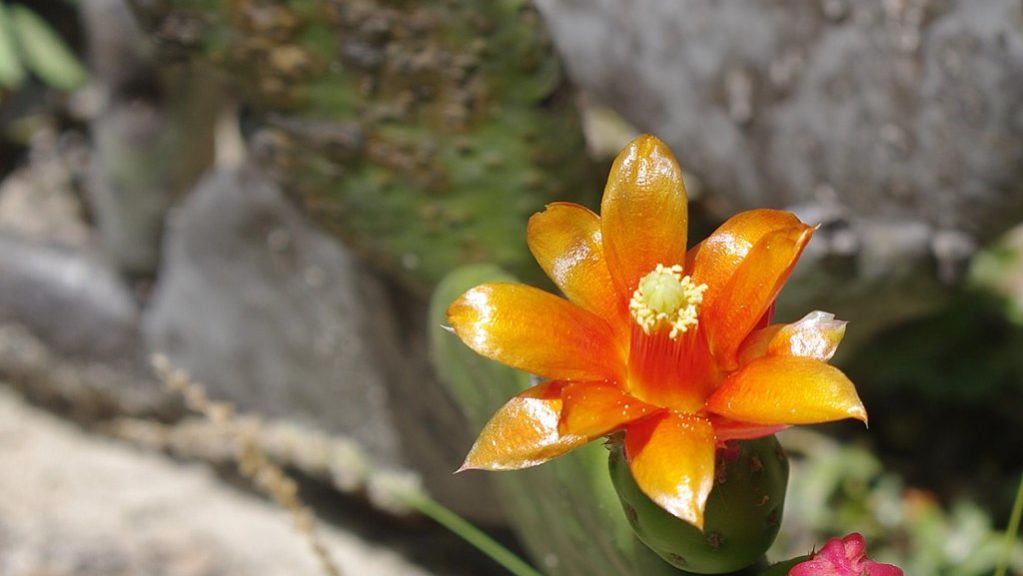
[{"x": 266, "y": 476}]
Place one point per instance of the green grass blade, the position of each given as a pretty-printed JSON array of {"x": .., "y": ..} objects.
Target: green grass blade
[
  {"x": 44, "y": 52},
  {"x": 12, "y": 73},
  {"x": 1012, "y": 531},
  {"x": 474, "y": 536}
]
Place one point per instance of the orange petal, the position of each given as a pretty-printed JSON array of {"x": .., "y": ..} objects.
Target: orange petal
[
  {"x": 672, "y": 460},
  {"x": 532, "y": 330},
  {"x": 524, "y": 432},
  {"x": 566, "y": 241},
  {"x": 715, "y": 260},
  {"x": 787, "y": 390},
  {"x": 679, "y": 373},
  {"x": 593, "y": 409},
  {"x": 643, "y": 214},
  {"x": 741, "y": 302},
  {"x": 726, "y": 429},
  {"x": 816, "y": 336}
]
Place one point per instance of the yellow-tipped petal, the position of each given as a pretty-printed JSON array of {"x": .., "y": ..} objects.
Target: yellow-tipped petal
[
  {"x": 671, "y": 457},
  {"x": 787, "y": 390},
  {"x": 529, "y": 329},
  {"x": 816, "y": 336},
  {"x": 643, "y": 213},
  {"x": 594, "y": 409},
  {"x": 524, "y": 432},
  {"x": 566, "y": 241}
]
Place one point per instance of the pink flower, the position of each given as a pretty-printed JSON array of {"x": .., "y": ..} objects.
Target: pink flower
[{"x": 844, "y": 557}]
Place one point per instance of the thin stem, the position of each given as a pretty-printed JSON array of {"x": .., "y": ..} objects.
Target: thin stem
[
  {"x": 472, "y": 535},
  {"x": 1011, "y": 531}
]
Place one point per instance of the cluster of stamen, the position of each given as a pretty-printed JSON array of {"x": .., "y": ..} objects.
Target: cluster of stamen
[{"x": 666, "y": 298}]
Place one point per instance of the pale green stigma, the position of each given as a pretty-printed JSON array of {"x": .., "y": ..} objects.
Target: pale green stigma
[{"x": 666, "y": 298}]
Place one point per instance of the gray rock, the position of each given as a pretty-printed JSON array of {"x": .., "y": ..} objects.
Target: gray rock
[
  {"x": 274, "y": 316},
  {"x": 268, "y": 313},
  {"x": 69, "y": 324},
  {"x": 875, "y": 273},
  {"x": 904, "y": 109},
  {"x": 36, "y": 201},
  {"x": 152, "y": 135},
  {"x": 69, "y": 297},
  {"x": 53, "y": 280},
  {"x": 76, "y": 505},
  {"x": 897, "y": 124}
]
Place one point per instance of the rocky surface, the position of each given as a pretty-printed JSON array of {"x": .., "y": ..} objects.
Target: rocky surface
[
  {"x": 71, "y": 297},
  {"x": 273, "y": 315},
  {"x": 71, "y": 504},
  {"x": 55, "y": 280},
  {"x": 896, "y": 109},
  {"x": 69, "y": 323},
  {"x": 253, "y": 300},
  {"x": 35, "y": 200},
  {"x": 895, "y": 124}
]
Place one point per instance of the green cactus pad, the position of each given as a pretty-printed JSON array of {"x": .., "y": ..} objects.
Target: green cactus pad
[
  {"x": 423, "y": 134},
  {"x": 743, "y": 511}
]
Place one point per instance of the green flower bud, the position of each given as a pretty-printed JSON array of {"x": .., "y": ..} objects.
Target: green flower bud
[{"x": 742, "y": 516}]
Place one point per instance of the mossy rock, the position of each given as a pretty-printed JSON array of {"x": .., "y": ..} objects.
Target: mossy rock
[{"x": 423, "y": 134}]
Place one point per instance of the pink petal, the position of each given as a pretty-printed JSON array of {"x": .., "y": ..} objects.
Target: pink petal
[{"x": 844, "y": 557}]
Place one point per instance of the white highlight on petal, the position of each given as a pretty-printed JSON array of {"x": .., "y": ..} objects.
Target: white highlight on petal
[
  {"x": 480, "y": 301},
  {"x": 816, "y": 335},
  {"x": 567, "y": 261}
]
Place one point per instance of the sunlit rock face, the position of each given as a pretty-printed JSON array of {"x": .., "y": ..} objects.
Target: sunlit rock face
[
  {"x": 891, "y": 109},
  {"x": 895, "y": 124}
]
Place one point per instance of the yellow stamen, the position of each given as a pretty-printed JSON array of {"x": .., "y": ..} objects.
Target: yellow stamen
[{"x": 666, "y": 298}]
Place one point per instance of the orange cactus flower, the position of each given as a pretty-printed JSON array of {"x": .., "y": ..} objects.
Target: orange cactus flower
[{"x": 671, "y": 347}]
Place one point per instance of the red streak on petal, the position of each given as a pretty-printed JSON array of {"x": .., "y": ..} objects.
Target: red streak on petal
[{"x": 677, "y": 374}]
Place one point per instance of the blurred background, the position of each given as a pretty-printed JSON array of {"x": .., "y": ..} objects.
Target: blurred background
[{"x": 269, "y": 192}]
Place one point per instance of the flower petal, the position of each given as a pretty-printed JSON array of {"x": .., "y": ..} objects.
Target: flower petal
[
  {"x": 643, "y": 214},
  {"x": 524, "y": 432},
  {"x": 816, "y": 336},
  {"x": 715, "y": 260},
  {"x": 671, "y": 457},
  {"x": 678, "y": 373},
  {"x": 844, "y": 557},
  {"x": 566, "y": 241},
  {"x": 787, "y": 390},
  {"x": 726, "y": 429},
  {"x": 532, "y": 330},
  {"x": 593, "y": 409},
  {"x": 737, "y": 306}
]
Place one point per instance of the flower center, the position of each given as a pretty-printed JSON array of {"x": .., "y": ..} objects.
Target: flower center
[{"x": 666, "y": 298}]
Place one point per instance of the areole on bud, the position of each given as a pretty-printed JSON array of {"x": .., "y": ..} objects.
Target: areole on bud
[{"x": 742, "y": 516}]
